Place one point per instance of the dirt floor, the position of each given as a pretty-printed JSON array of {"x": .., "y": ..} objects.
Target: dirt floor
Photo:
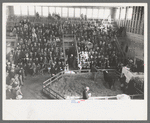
[
  {"x": 32, "y": 88},
  {"x": 73, "y": 85}
]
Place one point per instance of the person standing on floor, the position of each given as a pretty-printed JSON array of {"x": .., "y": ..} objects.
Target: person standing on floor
[
  {"x": 93, "y": 70},
  {"x": 21, "y": 79},
  {"x": 86, "y": 95}
]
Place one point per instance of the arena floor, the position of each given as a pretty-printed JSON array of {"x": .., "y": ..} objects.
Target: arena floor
[
  {"x": 32, "y": 88},
  {"x": 69, "y": 85},
  {"x": 73, "y": 85}
]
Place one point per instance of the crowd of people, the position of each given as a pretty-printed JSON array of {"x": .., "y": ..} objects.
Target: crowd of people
[
  {"x": 95, "y": 44},
  {"x": 39, "y": 48},
  {"x": 98, "y": 43}
]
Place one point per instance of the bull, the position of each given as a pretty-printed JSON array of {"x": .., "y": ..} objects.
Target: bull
[{"x": 109, "y": 78}]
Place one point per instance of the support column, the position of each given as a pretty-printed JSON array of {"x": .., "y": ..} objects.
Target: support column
[
  {"x": 125, "y": 21},
  {"x": 142, "y": 24},
  {"x": 10, "y": 10},
  {"x": 138, "y": 25},
  {"x": 74, "y": 12},
  {"x": 136, "y": 17},
  {"x": 133, "y": 19},
  {"x": 130, "y": 22},
  {"x": 64, "y": 50}
]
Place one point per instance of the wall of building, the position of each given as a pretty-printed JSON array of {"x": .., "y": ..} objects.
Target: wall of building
[
  {"x": 135, "y": 44},
  {"x": 9, "y": 11},
  {"x": 132, "y": 21},
  {"x": 73, "y": 15}
]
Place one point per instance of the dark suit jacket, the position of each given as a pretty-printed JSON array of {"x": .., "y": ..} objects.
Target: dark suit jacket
[{"x": 85, "y": 95}]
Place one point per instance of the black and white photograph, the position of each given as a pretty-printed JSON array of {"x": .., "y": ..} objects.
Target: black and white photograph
[{"x": 76, "y": 53}]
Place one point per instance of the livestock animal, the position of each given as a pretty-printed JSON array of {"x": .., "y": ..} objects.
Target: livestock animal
[{"x": 109, "y": 78}]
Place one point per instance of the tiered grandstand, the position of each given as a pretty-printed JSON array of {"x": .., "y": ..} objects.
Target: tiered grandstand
[{"x": 65, "y": 51}]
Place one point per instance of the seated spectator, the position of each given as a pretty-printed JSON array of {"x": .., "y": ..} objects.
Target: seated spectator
[
  {"x": 19, "y": 93},
  {"x": 38, "y": 43}
]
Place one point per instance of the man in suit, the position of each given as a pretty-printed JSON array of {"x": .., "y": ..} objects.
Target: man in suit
[
  {"x": 86, "y": 95},
  {"x": 93, "y": 70}
]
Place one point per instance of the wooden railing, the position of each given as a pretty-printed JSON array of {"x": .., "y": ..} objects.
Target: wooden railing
[
  {"x": 76, "y": 48},
  {"x": 119, "y": 47},
  {"x": 46, "y": 86},
  {"x": 115, "y": 97},
  {"x": 52, "y": 79},
  {"x": 55, "y": 95},
  {"x": 136, "y": 95},
  {"x": 68, "y": 35}
]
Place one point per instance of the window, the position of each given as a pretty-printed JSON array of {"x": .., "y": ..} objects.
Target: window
[
  {"x": 129, "y": 13},
  {"x": 123, "y": 14},
  {"x": 45, "y": 11},
  {"x": 83, "y": 11},
  {"x": 89, "y": 13},
  {"x": 77, "y": 12},
  {"x": 38, "y": 9},
  {"x": 17, "y": 10},
  {"x": 117, "y": 13},
  {"x": 101, "y": 13},
  {"x": 31, "y": 10},
  {"x": 24, "y": 10},
  {"x": 107, "y": 13},
  {"x": 95, "y": 13},
  {"x": 7, "y": 11},
  {"x": 58, "y": 11},
  {"x": 71, "y": 12},
  {"x": 52, "y": 10},
  {"x": 64, "y": 12}
]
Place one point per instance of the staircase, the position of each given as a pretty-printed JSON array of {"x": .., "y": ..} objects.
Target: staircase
[
  {"x": 68, "y": 39},
  {"x": 122, "y": 41},
  {"x": 120, "y": 45}
]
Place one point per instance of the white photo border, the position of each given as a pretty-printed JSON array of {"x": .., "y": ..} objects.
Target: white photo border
[{"x": 64, "y": 109}]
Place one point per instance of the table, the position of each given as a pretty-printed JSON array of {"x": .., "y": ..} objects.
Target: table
[{"x": 128, "y": 74}]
